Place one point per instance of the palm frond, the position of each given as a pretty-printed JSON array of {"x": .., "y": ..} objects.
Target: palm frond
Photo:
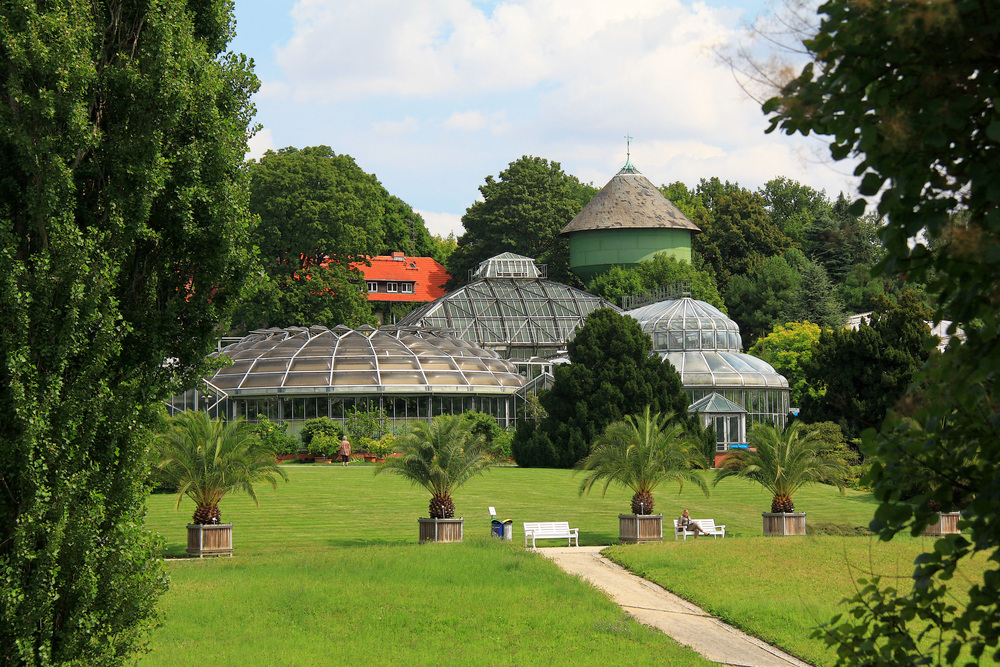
[
  {"x": 642, "y": 452},
  {"x": 440, "y": 456}
]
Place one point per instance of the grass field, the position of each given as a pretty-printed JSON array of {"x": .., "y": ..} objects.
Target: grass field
[{"x": 328, "y": 571}]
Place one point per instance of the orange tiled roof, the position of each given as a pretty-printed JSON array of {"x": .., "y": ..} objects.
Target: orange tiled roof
[{"x": 426, "y": 274}]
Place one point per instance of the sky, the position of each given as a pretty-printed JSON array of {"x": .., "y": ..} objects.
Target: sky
[{"x": 432, "y": 96}]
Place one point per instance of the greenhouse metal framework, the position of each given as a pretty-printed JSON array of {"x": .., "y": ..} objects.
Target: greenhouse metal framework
[
  {"x": 705, "y": 347},
  {"x": 301, "y": 373},
  {"x": 511, "y": 309}
]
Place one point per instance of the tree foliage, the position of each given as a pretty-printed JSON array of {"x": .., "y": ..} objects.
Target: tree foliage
[
  {"x": 123, "y": 244},
  {"x": 319, "y": 212},
  {"x": 611, "y": 371},
  {"x": 663, "y": 269},
  {"x": 522, "y": 212},
  {"x": 910, "y": 89},
  {"x": 858, "y": 375},
  {"x": 789, "y": 348}
]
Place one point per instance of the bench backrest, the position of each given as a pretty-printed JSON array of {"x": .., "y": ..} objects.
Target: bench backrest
[
  {"x": 539, "y": 527},
  {"x": 706, "y": 524}
]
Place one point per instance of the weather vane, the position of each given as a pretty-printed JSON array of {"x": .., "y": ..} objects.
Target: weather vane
[{"x": 628, "y": 147}]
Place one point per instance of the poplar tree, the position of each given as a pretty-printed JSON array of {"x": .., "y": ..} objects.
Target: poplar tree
[{"x": 123, "y": 244}]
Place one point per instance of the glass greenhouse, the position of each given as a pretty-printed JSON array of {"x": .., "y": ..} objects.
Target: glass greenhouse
[
  {"x": 300, "y": 373},
  {"x": 510, "y": 308},
  {"x": 705, "y": 347}
]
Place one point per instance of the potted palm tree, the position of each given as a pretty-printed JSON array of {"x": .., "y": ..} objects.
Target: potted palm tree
[
  {"x": 204, "y": 459},
  {"x": 440, "y": 456},
  {"x": 639, "y": 453},
  {"x": 782, "y": 461}
]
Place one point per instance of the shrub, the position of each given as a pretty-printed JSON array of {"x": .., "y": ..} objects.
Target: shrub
[
  {"x": 322, "y": 425},
  {"x": 274, "y": 437}
]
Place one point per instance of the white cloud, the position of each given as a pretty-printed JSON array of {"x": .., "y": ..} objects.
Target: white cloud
[
  {"x": 442, "y": 224},
  {"x": 393, "y": 128},
  {"x": 433, "y": 95},
  {"x": 259, "y": 144}
]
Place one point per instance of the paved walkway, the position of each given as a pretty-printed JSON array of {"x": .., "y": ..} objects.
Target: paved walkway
[{"x": 652, "y": 605}]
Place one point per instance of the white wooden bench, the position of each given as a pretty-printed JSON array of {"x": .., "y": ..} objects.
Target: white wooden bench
[
  {"x": 550, "y": 530},
  {"x": 707, "y": 525}
]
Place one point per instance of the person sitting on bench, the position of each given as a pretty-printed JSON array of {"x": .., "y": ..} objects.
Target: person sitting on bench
[{"x": 688, "y": 524}]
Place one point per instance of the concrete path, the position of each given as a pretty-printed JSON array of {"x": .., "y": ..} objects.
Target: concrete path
[{"x": 652, "y": 605}]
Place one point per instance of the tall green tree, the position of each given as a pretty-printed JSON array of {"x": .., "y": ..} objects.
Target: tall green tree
[
  {"x": 124, "y": 236},
  {"x": 763, "y": 298},
  {"x": 816, "y": 300},
  {"x": 859, "y": 375},
  {"x": 319, "y": 212},
  {"x": 611, "y": 371},
  {"x": 522, "y": 212},
  {"x": 909, "y": 88},
  {"x": 793, "y": 206},
  {"x": 741, "y": 236}
]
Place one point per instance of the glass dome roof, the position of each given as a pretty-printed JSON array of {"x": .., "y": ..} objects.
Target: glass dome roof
[
  {"x": 703, "y": 345},
  {"x": 686, "y": 324},
  {"x": 342, "y": 360}
]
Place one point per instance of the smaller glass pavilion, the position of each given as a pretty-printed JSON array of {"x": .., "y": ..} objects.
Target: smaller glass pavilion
[
  {"x": 299, "y": 373},
  {"x": 705, "y": 347},
  {"x": 728, "y": 419}
]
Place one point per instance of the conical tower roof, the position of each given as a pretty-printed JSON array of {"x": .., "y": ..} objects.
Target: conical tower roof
[{"x": 630, "y": 201}]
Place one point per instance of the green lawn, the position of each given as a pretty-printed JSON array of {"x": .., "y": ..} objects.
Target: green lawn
[{"x": 328, "y": 571}]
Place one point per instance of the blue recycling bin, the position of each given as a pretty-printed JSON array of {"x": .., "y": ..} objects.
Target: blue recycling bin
[{"x": 496, "y": 528}]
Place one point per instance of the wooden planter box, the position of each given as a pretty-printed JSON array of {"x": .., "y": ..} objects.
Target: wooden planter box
[
  {"x": 441, "y": 530},
  {"x": 211, "y": 540},
  {"x": 947, "y": 524},
  {"x": 322, "y": 459},
  {"x": 780, "y": 523},
  {"x": 633, "y": 528}
]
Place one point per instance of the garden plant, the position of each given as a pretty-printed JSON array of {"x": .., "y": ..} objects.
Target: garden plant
[
  {"x": 204, "y": 459},
  {"x": 782, "y": 461},
  {"x": 640, "y": 453},
  {"x": 440, "y": 456}
]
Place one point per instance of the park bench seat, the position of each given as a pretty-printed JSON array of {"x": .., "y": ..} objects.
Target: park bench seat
[
  {"x": 708, "y": 525},
  {"x": 550, "y": 530}
]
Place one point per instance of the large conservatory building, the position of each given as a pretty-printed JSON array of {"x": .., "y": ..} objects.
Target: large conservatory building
[
  {"x": 298, "y": 373},
  {"x": 705, "y": 347}
]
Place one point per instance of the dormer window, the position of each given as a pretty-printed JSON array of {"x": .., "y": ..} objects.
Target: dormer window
[
  {"x": 372, "y": 286},
  {"x": 392, "y": 287},
  {"x": 406, "y": 288}
]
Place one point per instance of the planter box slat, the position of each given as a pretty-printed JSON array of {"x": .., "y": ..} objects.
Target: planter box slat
[
  {"x": 780, "y": 523},
  {"x": 441, "y": 530},
  {"x": 634, "y": 528},
  {"x": 210, "y": 540},
  {"x": 947, "y": 524}
]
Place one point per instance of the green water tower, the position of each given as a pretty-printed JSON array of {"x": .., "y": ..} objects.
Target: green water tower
[{"x": 627, "y": 222}]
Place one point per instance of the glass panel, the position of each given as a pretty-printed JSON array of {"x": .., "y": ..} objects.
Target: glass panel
[
  {"x": 344, "y": 378},
  {"x": 259, "y": 380},
  {"x": 440, "y": 377},
  {"x": 307, "y": 380},
  {"x": 270, "y": 366},
  {"x": 354, "y": 364},
  {"x": 311, "y": 364},
  {"x": 402, "y": 377}
]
